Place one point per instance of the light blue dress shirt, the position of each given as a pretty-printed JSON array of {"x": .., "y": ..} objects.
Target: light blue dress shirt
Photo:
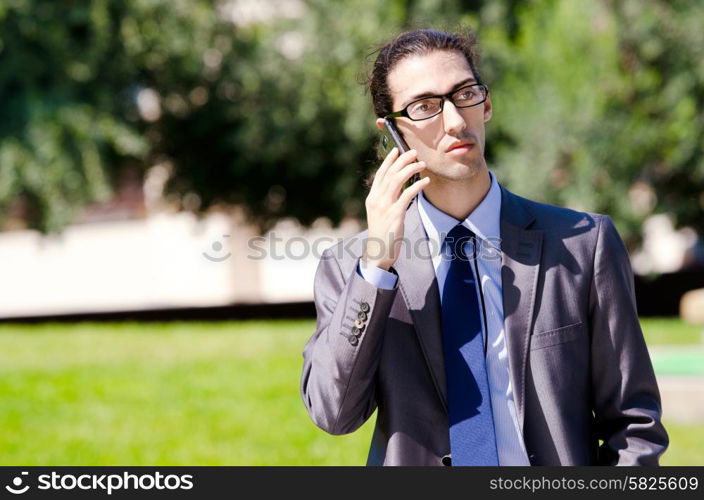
[{"x": 484, "y": 221}]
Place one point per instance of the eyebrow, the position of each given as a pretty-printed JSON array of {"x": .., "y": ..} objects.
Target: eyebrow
[{"x": 423, "y": 95}]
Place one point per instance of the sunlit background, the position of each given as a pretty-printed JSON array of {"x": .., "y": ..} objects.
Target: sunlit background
[{"x": 171, "y": 170}]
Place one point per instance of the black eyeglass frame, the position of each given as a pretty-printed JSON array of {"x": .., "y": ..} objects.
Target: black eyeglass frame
[{"x": 446, "y": 97}]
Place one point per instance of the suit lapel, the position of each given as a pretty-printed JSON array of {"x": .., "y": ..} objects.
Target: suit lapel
[
  {"x": 521, "y": 252},
  {"x": 419, "y": 287}
]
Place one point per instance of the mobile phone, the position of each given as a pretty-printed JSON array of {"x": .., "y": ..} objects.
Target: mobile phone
[
  {"x": 400, "y": 144},
  {"x": 395, "y": 135}
]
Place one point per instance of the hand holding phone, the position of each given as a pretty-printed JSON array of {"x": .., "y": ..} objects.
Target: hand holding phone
[
  {"x": 400, "y": 144},
  {"x": 388, "y": 201}
]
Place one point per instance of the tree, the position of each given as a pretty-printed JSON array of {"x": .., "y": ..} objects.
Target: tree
[
  {"x": 70, "y": 78},
  {"x": 598, "y": 106},
  {"x": 268, "y": 114}
]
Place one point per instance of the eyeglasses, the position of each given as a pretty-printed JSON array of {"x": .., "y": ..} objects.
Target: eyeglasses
[{"x": 427, "y": 107}]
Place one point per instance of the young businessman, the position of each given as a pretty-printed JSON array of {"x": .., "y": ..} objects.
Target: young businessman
[{"x": 485, "y": 328}]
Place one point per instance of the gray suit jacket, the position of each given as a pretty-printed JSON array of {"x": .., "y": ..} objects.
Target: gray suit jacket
[{"x": 584, "y": 386}]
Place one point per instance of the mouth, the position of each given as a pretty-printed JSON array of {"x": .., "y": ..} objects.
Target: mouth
[{"x": 460, "y": 147}]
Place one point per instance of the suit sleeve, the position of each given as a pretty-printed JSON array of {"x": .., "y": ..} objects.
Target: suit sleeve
[
  {"x": 340, "y": 363},
  {"x": 627, "y": 406}
]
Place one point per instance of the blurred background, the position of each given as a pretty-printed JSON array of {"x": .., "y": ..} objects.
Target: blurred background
[{"x": 171, "y": 171}]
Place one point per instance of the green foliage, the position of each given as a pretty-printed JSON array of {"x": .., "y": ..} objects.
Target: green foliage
[
  {"x": 598, "y": 105},
  {"x": 63, "y": 118},
  {"x": 71, "y": 76},
  {"x": 662, "y": 110},
  {"x": 551, "y": 86}
]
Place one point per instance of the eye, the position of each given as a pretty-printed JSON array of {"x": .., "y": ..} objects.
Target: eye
[
  {"x": 466, "y": 94},
  {"x": 421, "y": 106},
  {"x": 424, "y": 107}
]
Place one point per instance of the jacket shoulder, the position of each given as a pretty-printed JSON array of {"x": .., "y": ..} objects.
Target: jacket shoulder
[{"x": 561, "y": 220}]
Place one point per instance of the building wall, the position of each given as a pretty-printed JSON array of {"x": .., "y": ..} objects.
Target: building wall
[{"x": 167, "y": 260}]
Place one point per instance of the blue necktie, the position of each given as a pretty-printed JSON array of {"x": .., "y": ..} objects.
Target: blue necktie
[{"x": 472, "y": 436}]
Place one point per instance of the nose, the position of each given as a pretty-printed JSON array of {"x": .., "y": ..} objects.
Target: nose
[{"x": 453, "y": 121}]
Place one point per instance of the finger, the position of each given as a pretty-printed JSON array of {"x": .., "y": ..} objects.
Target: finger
[
  {"x": 404, "y": 159},
  {"x": 395, "y": 183},
  {"x": 381, "y": 171},
  {"x": 412, "y": 191},
  {"x": 401, "y": 161},
  {"x": 389, "y": 159}
]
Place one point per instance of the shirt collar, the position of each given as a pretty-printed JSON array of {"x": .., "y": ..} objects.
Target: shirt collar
[{"x": 484, "y": 221}]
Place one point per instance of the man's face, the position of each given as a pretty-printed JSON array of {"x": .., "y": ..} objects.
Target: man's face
[{"x": 439, "y": 73}]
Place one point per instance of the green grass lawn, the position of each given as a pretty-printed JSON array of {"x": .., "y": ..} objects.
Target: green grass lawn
[
  {"x": 666, "y": 331},
  {"x": 180, "y": 394}
]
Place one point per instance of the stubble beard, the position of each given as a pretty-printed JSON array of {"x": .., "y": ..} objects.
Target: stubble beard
[{"x": 457, "y": 171}]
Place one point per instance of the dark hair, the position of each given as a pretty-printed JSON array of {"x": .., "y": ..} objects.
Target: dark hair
[{"x": 416, "y": 42}]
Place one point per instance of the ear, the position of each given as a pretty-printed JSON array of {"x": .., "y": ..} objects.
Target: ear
[
  {"x": 380, "y": 123},
  {"x": 488, "y": 109}
]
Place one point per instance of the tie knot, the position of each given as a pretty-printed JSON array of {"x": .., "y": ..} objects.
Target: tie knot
[
  {"x": 457, "y": 238},
  {"x": 460, "y": 231}
]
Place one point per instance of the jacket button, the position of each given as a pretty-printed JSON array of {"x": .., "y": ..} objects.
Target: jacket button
[
  {"x": 355, "y": 331},
  {"x": 362, "y": 316},
  {"x": 447, "y": 460},
  {"x": 359, "y": 324},
  {"x": 353, "y": 340},
  {"x": 364, "y": 307}
]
